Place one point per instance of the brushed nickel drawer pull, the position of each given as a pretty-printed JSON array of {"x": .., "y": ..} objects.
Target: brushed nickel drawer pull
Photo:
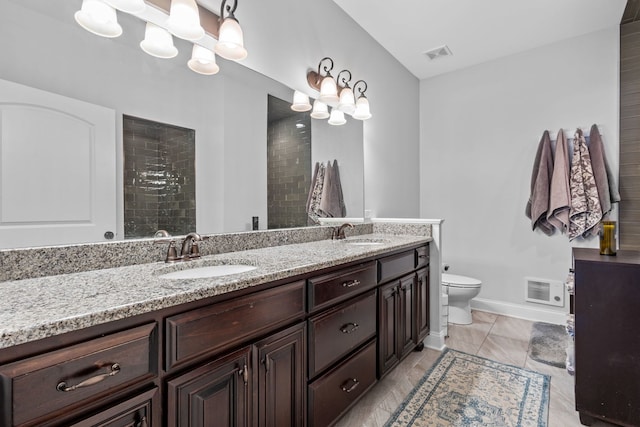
[
  {"x": 244, "y": 373},
  {"x": 351, "y": 284},
  {"x": 62, "y": 385},
  {"x": 423, "y": 256},
  {"x": 349, "y": 327},
  {"x": 347, "y": 389}
]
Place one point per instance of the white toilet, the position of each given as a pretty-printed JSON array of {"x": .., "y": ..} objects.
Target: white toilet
[{"x": 461, "y": 290}]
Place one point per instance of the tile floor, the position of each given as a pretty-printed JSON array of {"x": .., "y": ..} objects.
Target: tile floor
[{"x": 500, "y": 338}]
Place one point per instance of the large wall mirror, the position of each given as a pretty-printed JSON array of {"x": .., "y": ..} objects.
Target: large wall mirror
[{"x": 46, "y": 52}]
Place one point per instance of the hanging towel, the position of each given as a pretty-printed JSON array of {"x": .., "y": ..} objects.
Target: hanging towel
[
  {"x": 607, "y": 190},
  {"x": 332, "y": 202},
  {"x": 313, "y": 212},
  {"x": 313, "y": 184},
  {"x": 585, "y": 211},
  {"x": 538, "y": 203},
  {"x": 560, "y": 196}
]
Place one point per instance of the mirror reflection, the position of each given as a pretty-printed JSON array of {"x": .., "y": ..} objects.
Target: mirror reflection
[{"x": 227, "y": 113}]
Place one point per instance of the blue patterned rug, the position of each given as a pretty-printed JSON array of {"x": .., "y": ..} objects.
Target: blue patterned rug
[{"x": 471, "y": 391}]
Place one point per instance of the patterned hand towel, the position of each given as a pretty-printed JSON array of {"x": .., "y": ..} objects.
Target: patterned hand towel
[{"x": 586, "y": 211}]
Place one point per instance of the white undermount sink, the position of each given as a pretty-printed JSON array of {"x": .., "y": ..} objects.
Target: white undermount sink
[
  {"x": 206, "y": 272},
  {"x": 365, "y": 242}
]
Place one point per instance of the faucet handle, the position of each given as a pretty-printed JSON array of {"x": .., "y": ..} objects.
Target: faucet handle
[
  {"x": 195, "y": 250},
  {"x": 172, "y": 252}
]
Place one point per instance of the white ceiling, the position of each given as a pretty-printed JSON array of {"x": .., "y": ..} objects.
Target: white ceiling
[{"x": 475, "y": 30}]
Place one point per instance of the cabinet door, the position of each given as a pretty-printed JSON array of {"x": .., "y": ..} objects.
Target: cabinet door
[
  {"x": 216, "y": 394},
  {"x": 388, "y": 308},
  {"x": 280, "y": 386},
  {"x": 406, "y": 319},
  {"x": 422, "y": 305}
]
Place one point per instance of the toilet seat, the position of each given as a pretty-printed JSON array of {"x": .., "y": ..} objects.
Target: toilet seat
[{"x": 456, "y": 281}]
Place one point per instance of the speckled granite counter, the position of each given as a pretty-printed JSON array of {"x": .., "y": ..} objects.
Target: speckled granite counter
[{"x": 32, "y": 309}]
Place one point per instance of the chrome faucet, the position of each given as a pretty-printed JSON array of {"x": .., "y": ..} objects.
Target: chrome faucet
[{"x": 338, "y": 233}]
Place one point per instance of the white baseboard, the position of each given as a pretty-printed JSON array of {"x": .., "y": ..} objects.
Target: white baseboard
[
  {"x": 435, "y": 341},
  {"x": 521, "y": 311}
]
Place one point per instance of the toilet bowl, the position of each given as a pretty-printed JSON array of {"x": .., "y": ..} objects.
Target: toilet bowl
[{"x": 461, "y": 290}]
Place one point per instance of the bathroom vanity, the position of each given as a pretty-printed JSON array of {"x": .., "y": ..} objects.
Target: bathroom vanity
[{"x": 295, "y": 342}]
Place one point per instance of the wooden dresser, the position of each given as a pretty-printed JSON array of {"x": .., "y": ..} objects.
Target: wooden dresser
[{"x": 607, "y": 336}]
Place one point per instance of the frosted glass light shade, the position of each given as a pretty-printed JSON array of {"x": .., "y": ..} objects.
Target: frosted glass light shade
[
  {"x": 158, "y": 42},
  {"x": 328, "y": 91},
  {"x": 231, "y": 41},
  {"x": 129, "y": 6},
  {"x": 203, "y": 61},
  {"x": 300, "y": 102},
  {"x": 320, "y": 110},
  {"x": 98, "y": 18},
  {"x": 184, "y": 20},
  {"x": 362, "y": 109},
  {"x": 337, "y": 117},
  {"x": 347, "y": 101}
]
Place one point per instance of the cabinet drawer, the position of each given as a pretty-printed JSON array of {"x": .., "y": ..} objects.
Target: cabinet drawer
[
  {"x": 335, "y": 287},
  {"x": 91, "y": 369},
  {"x": 220, "y": 326},
  {"x": 332, "y": 394},
  {"x": 335, "y": 333},
  {"x": 395, "y": 265},
  {"x": 137, "y": 411},
  {"x": 422, "y": 256}
]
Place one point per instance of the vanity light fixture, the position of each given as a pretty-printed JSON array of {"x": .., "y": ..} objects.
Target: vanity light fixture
[
  {"x": 158, "y": 42},
  {"x": 320, "y": 110},
  {"x": 167, "y": 18},
  {"x": 300, "y": 102},
  {"x": 336, "y": 94},
  {"x": 347, "y": 102},
  {"x": 362, "y": 111},
  {"x": 337, "y": 117},
  {"x": 98, "y": 18},
  {"x": 203, "y": 61},
  {"x": 184, "y": 20},
  {"x": 230, "y": 38}
]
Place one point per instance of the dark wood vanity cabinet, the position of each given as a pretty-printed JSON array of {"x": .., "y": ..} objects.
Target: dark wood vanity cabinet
[
  {"x": 403, "y": 306},
  {"x": 258, "y": 385},
  {"x": 289, "y": 353},
  {"x": 607, "y": 337}
]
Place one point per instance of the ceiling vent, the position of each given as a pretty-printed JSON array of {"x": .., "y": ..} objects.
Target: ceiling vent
[{"x": 439, "y": 52}]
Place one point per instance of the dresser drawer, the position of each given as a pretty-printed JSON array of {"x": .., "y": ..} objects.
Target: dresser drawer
[
  {"x": 422, "y": 256},
  {"x": 396, "y": 265},
  {"x": 40, "y": 385},
  {"x": 332, "y": 394},
  {"x": 137, "y": 411},
  {"x": 335, "y": 287},
  {"x": 223, "y": 325},
  {"x": 335, "y": 333}
]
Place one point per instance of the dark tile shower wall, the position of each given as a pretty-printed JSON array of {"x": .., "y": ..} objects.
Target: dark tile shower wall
[
  {"x": 288, "y": 170},
  {"x": 159, "y": 178}
]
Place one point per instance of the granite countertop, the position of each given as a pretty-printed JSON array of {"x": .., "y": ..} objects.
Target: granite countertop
[{"x": 33, "y": 309}]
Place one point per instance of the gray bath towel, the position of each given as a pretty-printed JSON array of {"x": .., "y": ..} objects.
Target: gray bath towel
[
  {"x": 331, "y": 201},
  {"x": 538, "y": 204},
  {"x": 560, "y": 195}
]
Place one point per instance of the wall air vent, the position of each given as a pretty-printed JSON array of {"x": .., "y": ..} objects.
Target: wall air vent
[
  {"x": 438, "y": 52},
  {"x": 544, "y": 291}
]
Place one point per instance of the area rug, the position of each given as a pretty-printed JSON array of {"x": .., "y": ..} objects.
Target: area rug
[
  {"x": 548, "y": 344},
  {"x": 471, "y": 391}
]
